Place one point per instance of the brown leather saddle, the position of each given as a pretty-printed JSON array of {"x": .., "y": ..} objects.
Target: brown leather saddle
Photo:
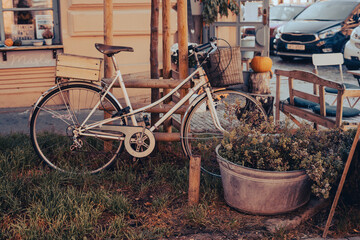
[{"x": 110, "y": 50}]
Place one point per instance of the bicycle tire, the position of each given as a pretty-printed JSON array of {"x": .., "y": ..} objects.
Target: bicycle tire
[
  {"x": 199, "y": 134},
  {"x": 53, "y": 119}
]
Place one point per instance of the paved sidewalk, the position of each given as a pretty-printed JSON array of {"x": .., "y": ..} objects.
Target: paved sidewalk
[{"x": 14, "y": 120}]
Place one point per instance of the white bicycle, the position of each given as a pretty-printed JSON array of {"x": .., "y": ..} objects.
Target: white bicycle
[{"x": 81, "y": 140}]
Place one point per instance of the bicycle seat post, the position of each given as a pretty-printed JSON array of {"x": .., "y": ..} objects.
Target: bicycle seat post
[
  {"x": 113, "y": 59},
  {"x": 123, "y": 88}
]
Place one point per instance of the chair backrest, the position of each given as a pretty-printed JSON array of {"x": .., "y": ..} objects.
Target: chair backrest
[{"x": 328, "y": 59}]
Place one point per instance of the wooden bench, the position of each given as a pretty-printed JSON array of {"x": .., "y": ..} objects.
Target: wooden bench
[{"x": 289, "y": 108}]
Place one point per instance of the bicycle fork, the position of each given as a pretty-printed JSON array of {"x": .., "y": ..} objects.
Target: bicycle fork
[{"x": 211, "y": 106}]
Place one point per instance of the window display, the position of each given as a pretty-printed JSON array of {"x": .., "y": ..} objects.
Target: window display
[{"x": 27, "y": 20}]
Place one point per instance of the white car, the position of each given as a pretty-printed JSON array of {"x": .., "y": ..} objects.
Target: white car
[{"x": 352, "y": 50}]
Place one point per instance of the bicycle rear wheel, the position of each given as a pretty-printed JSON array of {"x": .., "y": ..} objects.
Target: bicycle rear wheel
[
  {"x": 199, "y": 134},
  {"x": 52, "y": 124}
]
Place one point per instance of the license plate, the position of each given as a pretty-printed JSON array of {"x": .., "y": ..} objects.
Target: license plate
[{"x": 295, "y": 47}]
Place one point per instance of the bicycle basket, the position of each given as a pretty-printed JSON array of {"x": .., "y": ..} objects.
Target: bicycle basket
[
  {"x": 224, "y": 67},
  {"x": 78, "y": 67}
]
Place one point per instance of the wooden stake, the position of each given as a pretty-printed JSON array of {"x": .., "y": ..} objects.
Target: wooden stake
[
  {"x": 154, "y": 40},
  {"x": 194, "y": 180},
  {"x": 166, "y": 7},
  {"x": 342, "y": 181}
]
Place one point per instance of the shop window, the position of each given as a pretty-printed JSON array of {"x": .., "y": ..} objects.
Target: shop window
[{"x": 26, "y": 20}]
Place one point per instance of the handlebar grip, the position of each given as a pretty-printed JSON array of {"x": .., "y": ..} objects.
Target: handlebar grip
[{"x": 202, "y": 47}]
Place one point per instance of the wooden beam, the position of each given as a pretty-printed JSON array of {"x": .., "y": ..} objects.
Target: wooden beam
[
  {"x": 308, "y": 115},
  {"x": 167, "y": 137},
  {"x": 176, "y": 124},
  {"x": 166, "y": 45},
  {"x": 309, "y": 77},
  {"x": 342, "y": 181},
  {"x": 148, "y": 83}
]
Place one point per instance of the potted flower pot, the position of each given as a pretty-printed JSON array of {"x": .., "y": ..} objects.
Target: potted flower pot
[
  {"x": 263, "y": 192},
  {"x": 267, "y": 170},
  {"x": 48, "y": 35},
  {"x": 48, "y": 41}
]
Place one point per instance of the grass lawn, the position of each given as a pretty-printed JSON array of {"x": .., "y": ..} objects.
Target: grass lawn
[{"x": 143, "y": 199}]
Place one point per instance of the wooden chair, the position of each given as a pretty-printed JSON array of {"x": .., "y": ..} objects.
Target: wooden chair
[
  {"x": 321, "y": 116},
  {"x": 333, "y": 59}
]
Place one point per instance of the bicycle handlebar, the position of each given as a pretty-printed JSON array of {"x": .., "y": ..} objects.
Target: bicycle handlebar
[{"x": 202, "y": 47}]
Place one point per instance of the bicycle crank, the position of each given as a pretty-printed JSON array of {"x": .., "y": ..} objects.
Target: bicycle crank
[
  {"x": 139, "y": 141},
  {"x": 140, "y": 144}
]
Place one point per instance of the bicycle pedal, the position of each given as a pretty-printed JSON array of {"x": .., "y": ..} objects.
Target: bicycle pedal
[{"x": 121, "y": 112}]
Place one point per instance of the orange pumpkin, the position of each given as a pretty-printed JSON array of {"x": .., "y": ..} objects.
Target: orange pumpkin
[
  {"x": 9, "y": 42},
  {"x": 261, "y": 64}
]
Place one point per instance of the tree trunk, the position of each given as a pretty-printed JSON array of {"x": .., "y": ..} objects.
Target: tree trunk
[
  {"x": 108, "y": 35},
  {"x": 166, "y": 7},
  {"x": 183, "y": 40},
  {"x": 154, "y": 53},
  {"x": 260, "y": 83},
  {"x": 108, "y": 39}
]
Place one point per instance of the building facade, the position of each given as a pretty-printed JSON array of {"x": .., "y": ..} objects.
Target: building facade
[{"x": 27, "y": 70}]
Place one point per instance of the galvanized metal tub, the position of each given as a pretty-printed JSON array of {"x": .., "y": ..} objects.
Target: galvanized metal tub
[{"x": 263, "y": 192}]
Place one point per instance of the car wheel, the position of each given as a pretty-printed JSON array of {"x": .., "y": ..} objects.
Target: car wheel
[{"x": 287, "y": 58}]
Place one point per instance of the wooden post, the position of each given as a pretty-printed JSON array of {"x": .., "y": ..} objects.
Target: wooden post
[
  {"x": 154, "y": 40},
  {"x": 194, "y": 180},
  {"x": 166, "y": 7},
  {"x": 342, "y": 181},
  {"x": 108, "y": 39},
  {"x": 183, "y": 40},
  {"x": 108, "y": 35},
  {"x": 277, "y": 99}
]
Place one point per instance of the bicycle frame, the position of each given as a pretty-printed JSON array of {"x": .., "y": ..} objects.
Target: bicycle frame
[{"x": 202, "y": 82}]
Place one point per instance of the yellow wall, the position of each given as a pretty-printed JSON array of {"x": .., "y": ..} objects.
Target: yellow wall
[{"x": 82, "y": 27}]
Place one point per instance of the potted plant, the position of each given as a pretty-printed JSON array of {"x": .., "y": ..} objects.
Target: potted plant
[
  {"x": 266, "y": 170},
  {"x": 48, "y": 35},
  {"x": 211, "y": 9}
]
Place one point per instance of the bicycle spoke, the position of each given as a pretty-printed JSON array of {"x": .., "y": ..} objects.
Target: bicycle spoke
[
  {"x": 55, "y": 135},
  {"x": 201, "y": 136}
]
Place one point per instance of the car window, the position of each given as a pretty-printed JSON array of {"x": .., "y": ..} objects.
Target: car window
[
  {"x": 327, "y": 11},
  {"x": 284, "y": 13}
]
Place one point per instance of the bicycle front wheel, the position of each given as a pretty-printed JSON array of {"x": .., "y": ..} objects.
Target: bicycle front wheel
[
  {"x": 199, "y": 133},
  {"x": 54, "y": 120}
]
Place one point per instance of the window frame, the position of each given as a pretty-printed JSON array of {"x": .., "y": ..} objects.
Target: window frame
[{"x": 56, "y": 15}]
